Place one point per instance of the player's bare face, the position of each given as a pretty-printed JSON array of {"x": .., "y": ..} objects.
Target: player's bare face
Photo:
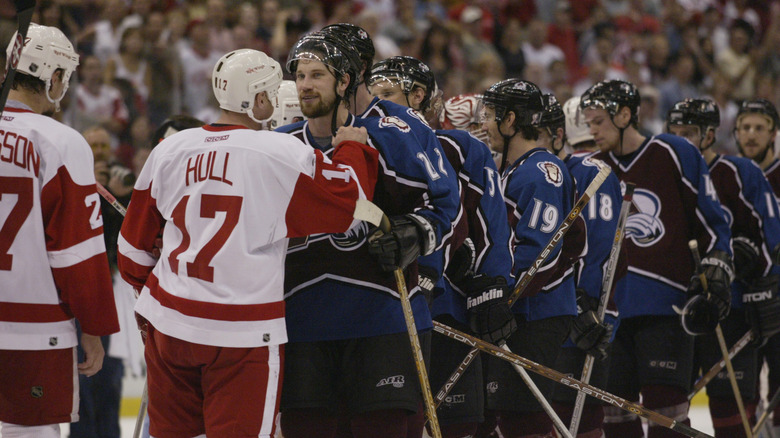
[
  {"x": 387, "y": 90},
  {"x": 753, "y": 134},
  {"x": 316, "y": 88},
  {"x": 490, "y": 127},
  {"x": 604, "y": 132},
  {"x": 688, "y": 132}
]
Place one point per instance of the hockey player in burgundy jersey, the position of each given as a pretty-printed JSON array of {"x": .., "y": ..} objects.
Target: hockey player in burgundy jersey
[
  {"x": 674, "y": 202},
  {"x": 483, "y": 262},
  {"x": 755, "y": 131},
  {"x": 748, "y": 201},
  {"x": 538, "y": 193},
  {"x": 343, "y": 308},
  {"x": 226, "y": 197},
  {"x": 588, "y": 335},
  {"x": 53, "y": 264}
]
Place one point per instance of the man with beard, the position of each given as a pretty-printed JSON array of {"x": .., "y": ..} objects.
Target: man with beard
[{"x": 349, "y": 363}]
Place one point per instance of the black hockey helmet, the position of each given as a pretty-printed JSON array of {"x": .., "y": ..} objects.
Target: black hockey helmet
[
  {"x": 521, "y": 97},
  {"x": 553, "y": 116},
  {"x": 331, "y": 50},
  {"x": 760, "y": 106},
  {"x": 172, "y": 125},
  {"x": 408, "y": 72},
  {"x": 703, "y": 113},
  {"x": 357, "y": 38},
  {"x": 611, "y": 95}
]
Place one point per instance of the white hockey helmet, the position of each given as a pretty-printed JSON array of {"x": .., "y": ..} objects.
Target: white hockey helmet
[
  {"x": 240, "y": 75},
  {"x": 45, "y": 50},
  {"x": 577, "y": 131},
  {"x": 288, "y": 107}
]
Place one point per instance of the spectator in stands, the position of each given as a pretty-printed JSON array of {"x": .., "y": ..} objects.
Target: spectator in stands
[
  {"x": 105, "y": 33},
  {"x": 735, "y": 62},
  {"x": 219, "y": 33},
  {"x": 97, "y": 103},
  {"x": 198, "y": 60},
  {"x": 131, "y": 64},
  {"x": 442, "y": 53},
  {"x": 536, "y": 49},
  {"x": 679, "y": 85},
  {"x": 510, "y": 47}
]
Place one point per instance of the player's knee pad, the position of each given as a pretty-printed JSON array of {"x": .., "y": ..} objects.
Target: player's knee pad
[
  {"x": 524, "y": 424},
  {"x": 10, "y": 430}
]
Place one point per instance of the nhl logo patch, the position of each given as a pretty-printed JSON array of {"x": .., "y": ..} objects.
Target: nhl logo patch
[
  {"x": 552, "y": 173},
  {"x": 53, "y": 341},
  {"x": 394, "y": 122},
  {"x": 36, "y": 391}
]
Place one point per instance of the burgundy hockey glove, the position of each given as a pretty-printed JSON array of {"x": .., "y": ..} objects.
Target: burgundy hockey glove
[
  {"x": 490, "y": 317},
  {"x": 762, "y": 308},
  {"x": 746, "y": 255},
  {"x": 719, "y": 273},
  {"x": 410, "y": 236},
  {"x": 587, "y": 333}
]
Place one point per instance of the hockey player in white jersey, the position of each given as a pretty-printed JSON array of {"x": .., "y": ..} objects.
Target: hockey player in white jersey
[
  {"x": 53, "y": 264},
  {"x": 226, "y": 198}
]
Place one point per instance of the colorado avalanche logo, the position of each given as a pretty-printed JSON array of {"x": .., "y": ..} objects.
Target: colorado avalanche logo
[
  {"x": 352, "y": 239},
  {"x": 552, "y": 173},
  {"x": 394, "y": 122},
  {"x": 644, "y": 226}
]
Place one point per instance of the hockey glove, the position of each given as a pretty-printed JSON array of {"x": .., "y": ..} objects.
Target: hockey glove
[
  {"x": 762, "y": 308},
  {"x": 426, "y": 279},
  {"x": 719, "y": 273},
  {"x": 410, "y": 236},
  {"x": 490, "y": 317},
  {"x": 745, "y": 257},
  {"x": 587, "y": 333},
  {"x": 462, "y": 263}
]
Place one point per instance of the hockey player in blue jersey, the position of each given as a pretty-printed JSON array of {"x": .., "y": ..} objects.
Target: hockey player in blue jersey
[
  {"x": 588, "y": 335},
  {"x": 348, "y": 358},
  {"x": 674, "y": 202},
  {"x": 483, "y": 262},
  {"x": 748, "y": 201},
  {"x": 539, "y": 193},
  {"x": 755, "y": 131}
]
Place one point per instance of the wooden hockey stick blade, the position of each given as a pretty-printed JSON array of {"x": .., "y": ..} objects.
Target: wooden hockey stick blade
[
  {"x": 606, "y": 287},
  {"x": 366, "y": 210},
  {"x": 525, "y": 280},
  {"x": 718, "y": 367},
  {"x": 24, "y": 13},
  {"x": 563, "y": 379}
]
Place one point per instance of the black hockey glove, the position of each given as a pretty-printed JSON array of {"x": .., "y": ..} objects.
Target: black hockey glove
[
  {"x": 426, "y": 279},
  {"x": 762, "y": 308},
  {"x": 490, "y": 317},
  {"x": 746, "y": 255},
  {"x": 462, "y": 263},
  {"x": 410, "y": 236},
  {"x": 587, "y": 333},
  {"x": 719, "y": 273}
]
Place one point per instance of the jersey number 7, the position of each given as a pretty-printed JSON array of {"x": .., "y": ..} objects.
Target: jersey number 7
[
  {"x": 209, "y": 206},
  {"x": 23, "y": 189}
]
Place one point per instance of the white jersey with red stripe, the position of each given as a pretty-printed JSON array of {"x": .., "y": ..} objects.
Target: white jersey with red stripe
[
  {"x": 53, "y": 263},
  {"x": 225, "y": 199}
]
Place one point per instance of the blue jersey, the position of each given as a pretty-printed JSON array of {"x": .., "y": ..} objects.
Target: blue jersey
[
  {"x": 539, "y": 193},
  {"x": 334, "y": 289},
  {"x": 674, "y": 202},
  {"x": 438, "y": 165},
  {"x": 601, "y": 219},
  {"x": 751, "y": 210},
  {"x": 485, "y": 214}
]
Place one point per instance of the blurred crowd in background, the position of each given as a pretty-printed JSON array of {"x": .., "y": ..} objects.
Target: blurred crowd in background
[{"x": 145, "y": 60}]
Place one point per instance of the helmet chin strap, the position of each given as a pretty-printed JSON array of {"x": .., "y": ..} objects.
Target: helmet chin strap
[
  {"x": 701, "y": 140},
  {"x": 620, "y": 134},
  {"x": 250, "y": 112},
  {"x": 505, "y": 150},
  {"x": 56, "y": 102}
]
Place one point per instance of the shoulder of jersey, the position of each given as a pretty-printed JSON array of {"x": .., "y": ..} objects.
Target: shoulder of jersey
[
  {"x": 743, "y": 164},
  {"x": 546, "y": 166},
  {"x": 291, "y": 127}
]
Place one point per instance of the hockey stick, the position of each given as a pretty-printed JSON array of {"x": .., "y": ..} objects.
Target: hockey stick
[
  {"x": 24, "y": 13},
  {"x": 694, "y": 246},
  {"x": 369, "y": 212},
  {"x": 568, "y": 381},
  {"x": 606, "y": 287},
  {"x": 718, "y": 367},
  {"x": 769, "y": 408},
  {"x": 525, "y": 280},
  {"x": 111, "y": 199}
]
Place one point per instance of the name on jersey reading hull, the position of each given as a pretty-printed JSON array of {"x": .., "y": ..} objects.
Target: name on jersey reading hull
[
  {"x": 202, "y": 167},
  {"x": 19, "y": 151}
]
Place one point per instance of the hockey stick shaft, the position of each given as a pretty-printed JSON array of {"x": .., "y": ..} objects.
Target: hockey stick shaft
[
  {"x": 139, "y": 420},
  {"x": 570, "y": 382},
  {"x": 111, "y": 199},
  {"x": 525, "y": 280},
  {"x": 411, "y": 328},
  {"x": 694, "y": 246},
  {"x": 765, "y": 416},
  {"x": 718, "y": 367},
  {"x": 24, "y": 13},
  {"x": 606, "y": 288}
]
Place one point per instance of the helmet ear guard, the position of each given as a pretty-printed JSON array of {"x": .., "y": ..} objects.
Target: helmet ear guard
[{"x": 239, "y": 76}]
